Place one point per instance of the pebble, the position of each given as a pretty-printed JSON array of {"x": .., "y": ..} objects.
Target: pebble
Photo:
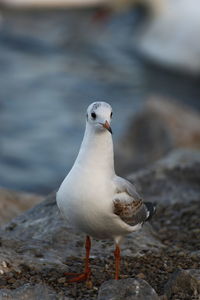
[
  {"x": 61, "y": 280},
  {"x": 4, "y": 264},
  {"x": 141, "y": 276},
  {"x": 89, "y": 284},
  {"x": 11, "y": 280}
]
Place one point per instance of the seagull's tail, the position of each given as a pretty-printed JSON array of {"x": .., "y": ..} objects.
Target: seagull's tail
[{"x": 151, "y": 209}]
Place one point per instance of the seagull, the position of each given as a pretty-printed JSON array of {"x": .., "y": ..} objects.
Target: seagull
[{"x": 92, "y": 198}]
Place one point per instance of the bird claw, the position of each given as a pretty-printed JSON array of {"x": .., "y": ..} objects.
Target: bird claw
[{"x": 78, "y": 277}]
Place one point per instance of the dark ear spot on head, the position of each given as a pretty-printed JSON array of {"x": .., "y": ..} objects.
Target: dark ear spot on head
[
  {"x": 96, "y": 105},
  {"x": 87, "y": 117}
]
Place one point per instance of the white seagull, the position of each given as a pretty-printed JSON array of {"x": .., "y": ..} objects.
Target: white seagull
[{"x": 93, "y": 198}]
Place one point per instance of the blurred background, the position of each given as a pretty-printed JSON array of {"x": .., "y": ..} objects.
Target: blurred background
[{"x": 56, "y": 57}]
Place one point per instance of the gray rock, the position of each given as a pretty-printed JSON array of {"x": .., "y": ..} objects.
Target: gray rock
[
  {"x": 127, "y": 289},
  {"x": 195, "y": 254},
  {"x": 13, "y": 203},
  {"x": 29, "y": 292},
  {"x": 160, "y": 127},
  {"x": 50, "y": 5},
  {"x": 186, "y": 282},
  {"x": 174, "y": 179},
  {"x": 167, "y": 40},
  {"x": 40, "y": 238}
]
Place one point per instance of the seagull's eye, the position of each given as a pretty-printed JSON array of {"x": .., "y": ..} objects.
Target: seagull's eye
[
  {"x": 93, "y": 115},
  {"x": 111, "y": 114}
]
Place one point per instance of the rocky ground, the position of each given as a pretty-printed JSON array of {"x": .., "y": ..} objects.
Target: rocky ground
[
  {"x": 160, "y": 127},
  {"x": 162, "y": 261},
  {"x": 181, "y": 240},
  {"x": 12, "y": 203}
]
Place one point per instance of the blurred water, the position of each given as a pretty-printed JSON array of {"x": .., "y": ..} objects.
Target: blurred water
[{"x": 52, "y": 66}]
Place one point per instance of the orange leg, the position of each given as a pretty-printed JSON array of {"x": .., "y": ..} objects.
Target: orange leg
[
  {"x": 117, "y": 261},
  {"x": 87, "y": 272}
]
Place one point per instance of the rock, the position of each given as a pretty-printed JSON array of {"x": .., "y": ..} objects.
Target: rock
[
  {"x": 40, "y": 242},
  {"x": 174, "y": 179},
  {"x": 49, "y": 4},
  {"x": 30, "y": 292},
  {"x": 195, "y": 254},
  {"x": 185, "y": 282},
  {"x": 13, "y": 203},
  {"x": 159, "y": 128},
  {"x": 169, "y": 38},
  {"x": 127, "y": 289},
  {"x": 40, "y": 238}
]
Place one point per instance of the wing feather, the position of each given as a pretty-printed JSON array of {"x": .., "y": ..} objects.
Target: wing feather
[{"x": 128, "y": 204}]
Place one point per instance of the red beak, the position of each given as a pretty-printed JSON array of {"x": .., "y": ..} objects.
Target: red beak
[{"x": 107, "y": 126}]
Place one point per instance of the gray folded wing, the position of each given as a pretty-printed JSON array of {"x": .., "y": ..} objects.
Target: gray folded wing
[{"x": 128, "y": 204}]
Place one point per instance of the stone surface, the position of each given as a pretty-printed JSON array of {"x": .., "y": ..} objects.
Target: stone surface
[
  {"x": 13, "y": 203},
  {"x": 41, "y": 238},
  {"x": 127, "y": 289},
  {"x": 29, "y": 292},
  {"x": 174, "y": 179},
  {"x": 185, "y": 282},
  {"x": 40, "y": 247},
  {"x": 160, "y": 127},
  {"x": 59, "y": 4},
  {"x": 167, "y": 39}
]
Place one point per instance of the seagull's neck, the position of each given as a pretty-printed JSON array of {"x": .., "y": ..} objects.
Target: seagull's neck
[{"x": 96, "y": 152}]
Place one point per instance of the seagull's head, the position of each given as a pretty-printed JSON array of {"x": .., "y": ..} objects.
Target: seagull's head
[{"x": 99, "y": 115}]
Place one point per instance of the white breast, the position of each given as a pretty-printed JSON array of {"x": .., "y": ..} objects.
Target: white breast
[{"x": 85, "y": 200}]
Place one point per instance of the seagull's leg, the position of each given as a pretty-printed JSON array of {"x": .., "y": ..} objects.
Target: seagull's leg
[
  {"x": 117, "y": 261},
  {"x": 87, "y": 259},
  {"x": 87, "y": 271}
]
